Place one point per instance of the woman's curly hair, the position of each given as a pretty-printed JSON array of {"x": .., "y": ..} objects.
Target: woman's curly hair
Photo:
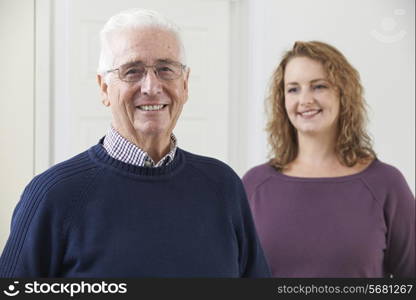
[{"x": 353, "y": 143}]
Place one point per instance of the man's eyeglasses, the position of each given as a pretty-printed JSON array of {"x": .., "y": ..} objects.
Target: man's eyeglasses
[{"x": 133, "y": 72}]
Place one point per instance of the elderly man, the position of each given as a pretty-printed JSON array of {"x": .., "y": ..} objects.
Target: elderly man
[{"x": 136, "y": 205}]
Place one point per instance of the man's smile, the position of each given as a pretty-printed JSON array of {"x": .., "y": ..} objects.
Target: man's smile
[{"x": 157, "y": 107}]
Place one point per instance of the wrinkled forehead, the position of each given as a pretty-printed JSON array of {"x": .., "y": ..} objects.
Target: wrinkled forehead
[{"x": 147, "y": 45}]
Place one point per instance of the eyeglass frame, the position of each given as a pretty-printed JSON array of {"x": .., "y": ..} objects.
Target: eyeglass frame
[{"x": 183, "y": 68}]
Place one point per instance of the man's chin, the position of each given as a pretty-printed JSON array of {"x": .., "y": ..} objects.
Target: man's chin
[{"x": 151, "y": 131}]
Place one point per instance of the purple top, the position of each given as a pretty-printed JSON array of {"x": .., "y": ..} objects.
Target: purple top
[{"x": 360, "y": 225}]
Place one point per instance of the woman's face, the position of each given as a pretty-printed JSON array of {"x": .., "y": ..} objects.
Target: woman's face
[{"x": 311, "y": 102}]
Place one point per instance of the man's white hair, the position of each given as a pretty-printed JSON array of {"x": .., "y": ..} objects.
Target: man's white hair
[{"x": 133, "y": 18}]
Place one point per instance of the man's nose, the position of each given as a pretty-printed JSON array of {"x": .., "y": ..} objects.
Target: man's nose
[{"x": 150, "y": 83}]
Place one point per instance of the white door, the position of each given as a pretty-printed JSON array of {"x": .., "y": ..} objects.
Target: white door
[{"x": 80, "y": 119}]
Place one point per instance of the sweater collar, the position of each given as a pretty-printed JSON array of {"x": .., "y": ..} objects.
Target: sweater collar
[
  {"x": 122, "y": 149},
  {"x": 99, "y": 154}
]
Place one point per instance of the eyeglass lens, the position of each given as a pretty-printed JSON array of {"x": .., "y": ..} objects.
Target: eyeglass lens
[{"x": 164, "y": 71}]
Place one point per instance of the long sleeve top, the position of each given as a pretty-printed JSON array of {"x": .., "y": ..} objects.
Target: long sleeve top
[{"x": 361, "y": 225}]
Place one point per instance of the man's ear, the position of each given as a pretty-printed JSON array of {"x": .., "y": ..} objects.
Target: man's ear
[
  {"x": 103, "y": 90},
  {"x": 185, "y": 83}
]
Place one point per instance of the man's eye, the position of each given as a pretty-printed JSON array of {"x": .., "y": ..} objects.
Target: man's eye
[
  {"x": 133, "y": 71},
  {"x": 165, "y": 69}
]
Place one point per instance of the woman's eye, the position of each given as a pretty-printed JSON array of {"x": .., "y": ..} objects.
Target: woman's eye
[
  {"x": 319, "y": 87},
  {"x": 292, "y": 90}
]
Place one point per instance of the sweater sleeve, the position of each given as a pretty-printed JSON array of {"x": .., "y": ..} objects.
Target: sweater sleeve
[
  {"x": 399, "y": 210},
  {"x": 252, "y": 260},
  {"x": 34, "y": 246}
]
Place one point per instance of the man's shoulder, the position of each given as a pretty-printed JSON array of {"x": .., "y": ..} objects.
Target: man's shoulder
[
  {"x": 53, "y": 190},
  {"x": 64, "y": 176},
  {"x": 70, "y": 167},
  {"x": 209, "y": 165}
]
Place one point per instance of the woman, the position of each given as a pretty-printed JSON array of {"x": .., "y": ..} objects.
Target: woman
[{"x": 324, "y": 205}]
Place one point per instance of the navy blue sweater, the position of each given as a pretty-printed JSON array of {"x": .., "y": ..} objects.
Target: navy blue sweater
[{"x": 94, "y": 216}]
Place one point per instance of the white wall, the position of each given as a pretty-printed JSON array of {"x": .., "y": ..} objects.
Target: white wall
[
  {"x": 378, "y": 38},
  {"x": 17, "y": 105}
]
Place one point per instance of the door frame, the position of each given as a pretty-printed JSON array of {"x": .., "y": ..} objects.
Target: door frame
[{"x": 43, "y": 119}]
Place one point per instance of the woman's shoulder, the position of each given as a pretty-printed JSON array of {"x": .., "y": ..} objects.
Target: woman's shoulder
[
  {"x": 385, "y": 178},
  {"x": 257, "y": 175},
  {"x": 260, "y": 171},
  {"x": 382, "y": 171}
]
